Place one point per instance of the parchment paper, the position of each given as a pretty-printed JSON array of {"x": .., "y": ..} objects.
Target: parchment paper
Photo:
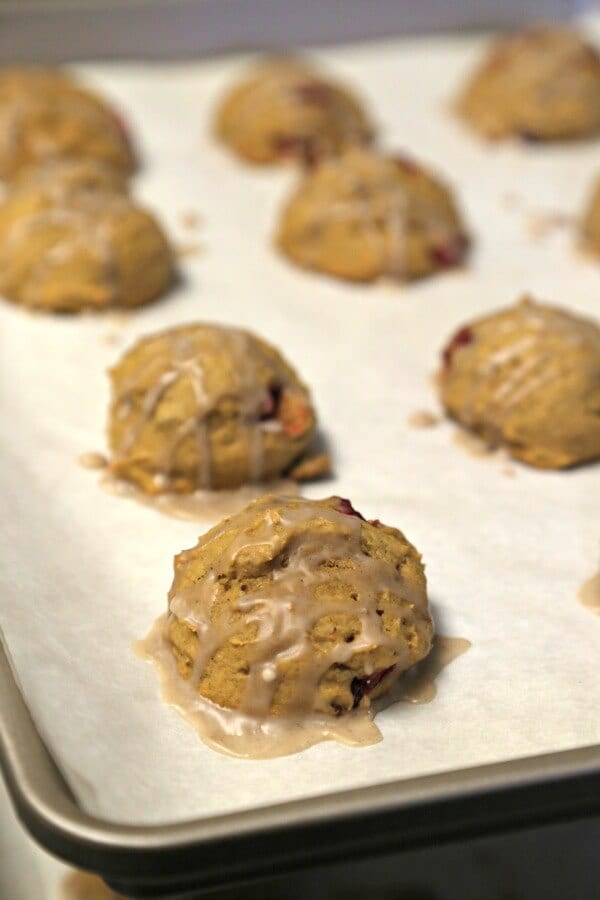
[{"x": 85, "y": 573}]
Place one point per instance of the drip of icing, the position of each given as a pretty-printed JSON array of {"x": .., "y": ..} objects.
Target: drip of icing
[
  {"x": 523, "y": 373},
  {"x": 198, "y": 506},
  {"x": 589, "y": 593},
  {"x": 238, "y": 734},
  {"x": 418, "y": 684},
  {"x": 284, "y": 612},
  {"x": 186, "y": 361}
]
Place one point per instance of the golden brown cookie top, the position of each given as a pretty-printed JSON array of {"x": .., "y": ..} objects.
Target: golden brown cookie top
[
  {"x": 528, "y": 377},
  {"x": 285, "y": 109},
  {"x": 543, "y": 83},
  {"x": 188, "y": 401},
  {"x": 45, "y": 114},
  {"x": 365, "y": 215},
  {"x": 299, "y": 591}
]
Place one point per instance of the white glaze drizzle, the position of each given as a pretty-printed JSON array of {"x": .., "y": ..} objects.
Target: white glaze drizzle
[
  {"x": 285, "y": 610},
  {"x": 370, "y": 191},
  {"x": 525, "y": 362},
  {"x": 186, "y": 361}
]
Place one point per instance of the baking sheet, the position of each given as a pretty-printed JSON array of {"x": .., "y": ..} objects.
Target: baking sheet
[{"x": 84, "y": 573}]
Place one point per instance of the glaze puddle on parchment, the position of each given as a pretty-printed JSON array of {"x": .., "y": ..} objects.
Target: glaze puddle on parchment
[
  {"x": 589, "y": 593},
  {"x": 235, "y": 734},
  {"x": 479, "y": 449},
  {"x": 199, "y": 506},
  {"x": 418, "y": 684}
]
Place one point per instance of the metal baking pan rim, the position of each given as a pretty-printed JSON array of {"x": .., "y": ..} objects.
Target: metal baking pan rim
[{"x": 402, "y": 813}]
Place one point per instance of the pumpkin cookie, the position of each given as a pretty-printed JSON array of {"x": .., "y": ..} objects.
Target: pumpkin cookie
[
  {"x": 73, "y": 250},
  {"x": 542, "y": 84},
  {"x": 65, "y": 176},
  {"x": 44, "y": 115},
  {"x": 205, "y": 406},
  {"x": 364, "y": 216},
  {"x": 528, "y": 378},
  {"x": 295, "y": 612},
  {"x": 286, "y": 110}
]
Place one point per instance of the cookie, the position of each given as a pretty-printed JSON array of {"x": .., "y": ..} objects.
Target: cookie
[
  {"x": 64, "y": 176},
  {"x": 44, "y": 114},
  {"x": 205, "y": 406},
  {"x": 80, "y": 250},
  {"x": 364, "y": 216},
  {"x": 542, "y": 84},
  {"x": 295, "y": 607},
  {"x": 285, "y": 109},
  {"x": 527, "y": 378}
]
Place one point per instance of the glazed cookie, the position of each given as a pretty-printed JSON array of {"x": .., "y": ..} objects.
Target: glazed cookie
[
  {"x": 69, "y": 251},
  {"x": 205, "y": 406},
  {"x": 590, "y": 226},
  {"x": 528, "y": 378},
  {"x": 542, "y": 84},
  {"x": 364, "y": 216},
  {"x": 296, "y": 609},
  {"x": 64, "y": 176},
  {"x": 46, "y": 115},
  {"x": 287, "y": 110}
]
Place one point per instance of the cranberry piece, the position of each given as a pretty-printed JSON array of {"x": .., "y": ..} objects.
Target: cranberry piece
[
  {"x": 302, "y": 146},
  {"x": 314, "y": 93},
  {"x": 377, "y": 523},
  {"x": 344, "y": 506},
  {"x": 448, "y": 253},
  {"x": 462, "y": 338},
  {"x": 270, "y": 404},
  {"x": 122, "y": 127},
  {"x": 360, "y": 687},
  {"x": 407, "y": 164}
]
